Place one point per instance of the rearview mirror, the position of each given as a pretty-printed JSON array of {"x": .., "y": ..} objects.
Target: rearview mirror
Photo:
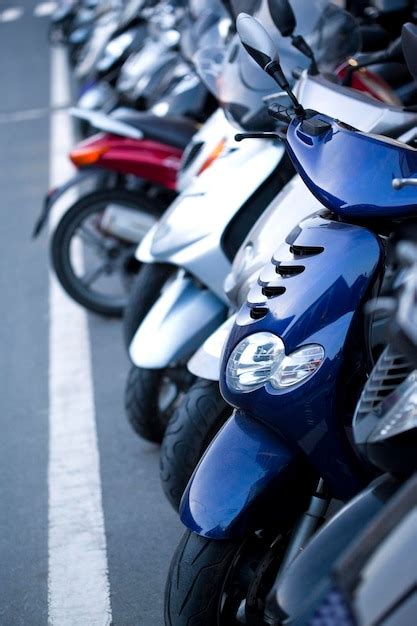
[
  {"x": 256, "y": 40},
  {"x": 283, "y": 16},
  {"x": 409, "y": 43}
]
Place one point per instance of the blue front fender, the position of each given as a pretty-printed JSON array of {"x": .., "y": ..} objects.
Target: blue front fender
[{"x": 247, "y": 478}]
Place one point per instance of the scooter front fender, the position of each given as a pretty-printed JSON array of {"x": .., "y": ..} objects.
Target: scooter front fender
[
  {"x": 205, "y": 363},
  {"x": 176, "y": 325},
  {"x": 143, "y": 252},
  {"x": 247, "y": 478}
]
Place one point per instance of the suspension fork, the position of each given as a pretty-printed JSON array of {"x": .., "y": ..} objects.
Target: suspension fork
[{"x": 307, "y": 525}]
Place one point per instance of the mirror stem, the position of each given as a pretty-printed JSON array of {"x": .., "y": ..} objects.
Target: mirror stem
[
  {"x": 302, "y": 46},
  {"x": 274, "y": 69}
]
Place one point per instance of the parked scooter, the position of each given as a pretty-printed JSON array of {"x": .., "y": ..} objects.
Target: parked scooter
[
  {"x": 294, "y": 365},
  {"x": 133, "y": 168},
  {"x": 361, "y": 565}
]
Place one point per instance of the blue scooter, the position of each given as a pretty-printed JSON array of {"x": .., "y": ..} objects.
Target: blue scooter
[
  {"x": 294, "y": 365},
  {"x": 360, "y": 568}
]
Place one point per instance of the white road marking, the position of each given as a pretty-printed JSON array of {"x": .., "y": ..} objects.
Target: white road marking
[
  {"x": 12, "y": 14},
  {"x": 78, "y": 585},
  {"x": 44, "y": 9}
]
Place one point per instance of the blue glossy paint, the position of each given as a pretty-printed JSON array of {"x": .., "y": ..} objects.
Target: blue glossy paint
[
  {"x": 318, "y": 306},
  {"x": 243, "y": 467},
  {"x": 351, "y": 172}
]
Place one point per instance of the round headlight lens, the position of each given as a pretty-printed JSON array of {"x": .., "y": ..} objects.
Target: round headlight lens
[
  {"x": 298, "y": 366},
  {"x": 251, "y": 363},
  {"x": 260, "y": 359}
]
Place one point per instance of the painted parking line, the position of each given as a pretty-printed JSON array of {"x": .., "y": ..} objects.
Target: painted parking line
[
  {"x": 44, "y": 9},
  {"x": 12, "y": 14},
  {"x": 78, "y": 585}
]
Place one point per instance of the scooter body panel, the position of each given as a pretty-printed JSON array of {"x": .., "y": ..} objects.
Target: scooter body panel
[
  {"x": 100, "y": 96},
  {"x": 202, "y": 145},
  {"x": 185, "y": 95},
  {"x": 331, "y": 159},
  {"x": 340, "y": 264},
  {"x": 190, "y": 232},
  {"x": 177, "y": 323},
  {"x": 292, "y": 205},
  {"x": 205, "y": 363},
  {"x": 242, "y": 464},
  {"x": 150, "y": 160}
]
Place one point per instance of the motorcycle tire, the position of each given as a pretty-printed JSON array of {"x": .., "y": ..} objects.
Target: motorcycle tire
[
  {"x": 151, "y": 396},
  {"x": 190, "y": 430},
  {"x": 117, "y": 256},
  {"x": 145, "y": 291},
  {"x": 213, "y": 581}
]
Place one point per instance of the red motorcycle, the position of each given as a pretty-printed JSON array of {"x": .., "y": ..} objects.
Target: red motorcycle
[{"x": 128, "y": 175}]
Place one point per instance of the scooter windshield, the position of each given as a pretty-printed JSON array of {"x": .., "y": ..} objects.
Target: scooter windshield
[
  {"x": 239, "y": 83},
  {"x": 206, "y": 31}
]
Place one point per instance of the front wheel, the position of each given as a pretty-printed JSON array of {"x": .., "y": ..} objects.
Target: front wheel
[
  {"x": 191, "y": 428},
  {"x": 95, "y": 266},
  {"x": 151, "y": 396},
  {"x": 222, "y": 583}
]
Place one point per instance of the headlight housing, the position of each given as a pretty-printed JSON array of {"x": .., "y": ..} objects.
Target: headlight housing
[{"x": 260, "y": 359}]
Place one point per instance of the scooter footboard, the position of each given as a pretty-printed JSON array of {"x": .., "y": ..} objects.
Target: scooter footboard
[
  {"x": 180, "y": 320},
  {"x": 248, "y": 478}
]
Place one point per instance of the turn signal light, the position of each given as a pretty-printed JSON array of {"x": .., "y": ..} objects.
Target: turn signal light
[
  {"x": 87, "y": 155},
  {"x": 213, "y": 156}
]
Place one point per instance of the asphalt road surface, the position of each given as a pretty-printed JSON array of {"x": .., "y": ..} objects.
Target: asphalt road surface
[{"x": 140, "y": 531}]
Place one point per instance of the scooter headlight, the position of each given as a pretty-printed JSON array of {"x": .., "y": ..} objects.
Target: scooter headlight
[{"x": 260, "y": 359}]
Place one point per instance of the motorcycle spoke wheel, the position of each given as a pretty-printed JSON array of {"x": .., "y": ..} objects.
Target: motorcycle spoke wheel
[{"x": 95, "y": 267}]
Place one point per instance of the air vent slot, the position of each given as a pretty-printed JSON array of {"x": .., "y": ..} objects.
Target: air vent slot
[
  {"x": 271, "y": 291},
  {"x": 306, "y": 250},
  {"x": 389, "y": 372},
  {"x": 286, "y": 271},
  {"x": 258, "y": 313}
]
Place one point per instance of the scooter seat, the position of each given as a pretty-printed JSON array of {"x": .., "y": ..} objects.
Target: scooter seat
[{"x": 175, "y": 131}]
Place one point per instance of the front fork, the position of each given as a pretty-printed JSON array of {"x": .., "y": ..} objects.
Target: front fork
[{"x": 307, "y": 525}]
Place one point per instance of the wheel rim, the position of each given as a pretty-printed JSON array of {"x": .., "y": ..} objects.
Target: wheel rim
[
  {"x": 249, "y": 579},
  {"x": 101, "y": 264}
]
